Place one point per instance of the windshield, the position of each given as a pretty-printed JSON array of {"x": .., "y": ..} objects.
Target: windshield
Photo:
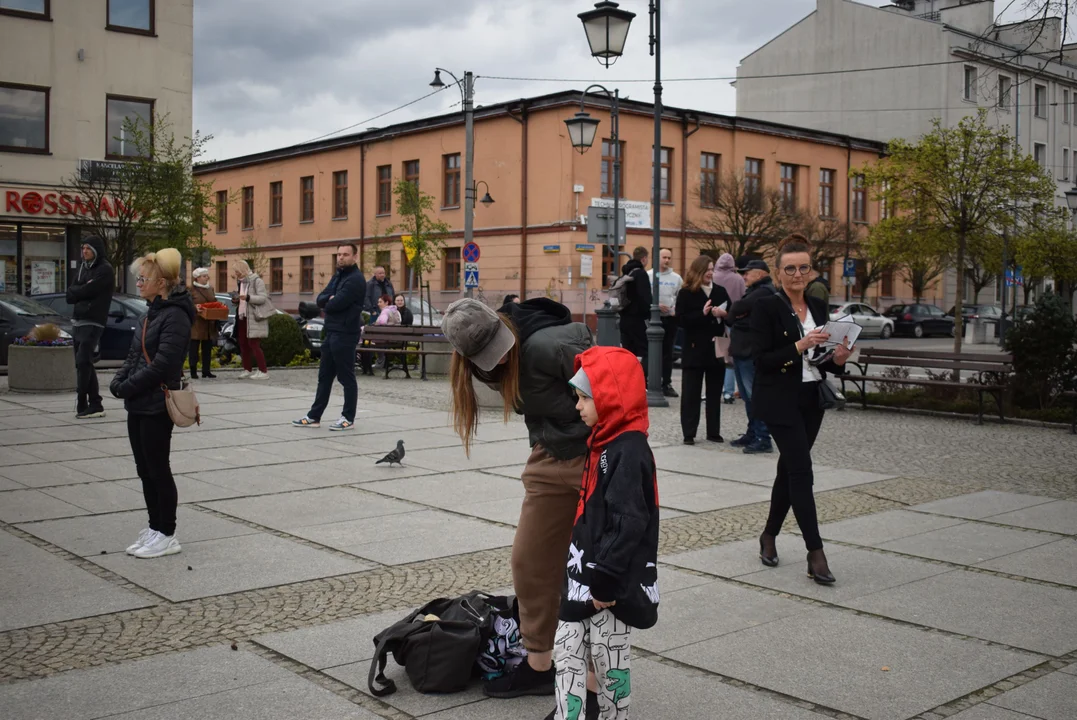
[
  {"x": 894, "y": 310},
  {"x": 21, "y": 305}
]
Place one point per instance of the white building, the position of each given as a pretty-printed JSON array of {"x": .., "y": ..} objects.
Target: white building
[
  {"x": 71, "y": 72},
  {"x": 929, "y": 59}
]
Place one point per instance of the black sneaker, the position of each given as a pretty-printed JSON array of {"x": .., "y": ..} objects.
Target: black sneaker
[
  {"x": 742, "y": 441},
  {"x": 523, "y": 680},
  {"x": 758, "y": 448},
  {"x": 90, "y": 413},
  {"x": 591, "y": 713},
  {"x": 668, "y": 391}
]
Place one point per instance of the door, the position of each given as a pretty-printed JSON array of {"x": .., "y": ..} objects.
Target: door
[
  {"x": 868, "y": 319},
  {"x": 939, "y": 324}
]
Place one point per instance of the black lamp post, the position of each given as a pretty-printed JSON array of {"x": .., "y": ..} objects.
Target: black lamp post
[{"x": 607, "y": 30}]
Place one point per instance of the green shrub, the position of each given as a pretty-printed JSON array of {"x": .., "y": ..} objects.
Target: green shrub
[
  {"x": 1044, "y": 353},
  {"x": 285, "y": 341}
]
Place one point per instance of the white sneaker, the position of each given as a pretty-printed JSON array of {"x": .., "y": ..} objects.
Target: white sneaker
[
  {"x": 143, "y": 536},
  {"x": 244, "y": 375},
  {"x": 158, "y": 545},
  {"x": 259, "y": 375}
]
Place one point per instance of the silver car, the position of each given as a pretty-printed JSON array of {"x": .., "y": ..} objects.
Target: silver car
[{"x": 874, "y": 324}]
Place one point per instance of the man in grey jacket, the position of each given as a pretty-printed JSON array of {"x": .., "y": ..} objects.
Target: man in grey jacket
[{"x": 669, "y": 284}]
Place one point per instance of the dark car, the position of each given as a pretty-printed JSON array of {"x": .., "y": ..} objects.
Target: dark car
[
  {"x": 990, "y": 313},
  {"x": 920, "y": 320},
  {"x": 20, "y": 314},
  {"x": 124, "y": 315}
]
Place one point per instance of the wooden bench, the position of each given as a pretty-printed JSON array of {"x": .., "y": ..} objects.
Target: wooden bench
[
  {"x": 1071, "y": 395},
  {"x": 991, "y": 370},
  {"x": 396, "y": 342}
]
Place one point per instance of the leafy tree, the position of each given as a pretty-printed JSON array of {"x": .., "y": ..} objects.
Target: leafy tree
[
  {"x": 743, "y": 220},
  {"x": 965, "y": 182},
  {"x": 1049, "y": 249},
  {"x": 1045, "y": 351},
  {"x": 427, "y": 234}
]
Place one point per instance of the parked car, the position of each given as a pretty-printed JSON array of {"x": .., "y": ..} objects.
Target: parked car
[
  {"x": 920, "y": 320},
  {"x": 424, "y": 313},
  {"x": 873, "y": 323},
  {"x": 991, "y": 313},
  {"x": 20, "y": 314},
  {"x": 124, "y": 316}
]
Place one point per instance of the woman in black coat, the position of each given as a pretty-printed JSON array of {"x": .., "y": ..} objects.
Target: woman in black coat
[
  {"x": 155, "y": 361},
  {"x": 786, "y": 338},
  {"x": 407, "y": 318},
  {"x": 701, "y": 311}
]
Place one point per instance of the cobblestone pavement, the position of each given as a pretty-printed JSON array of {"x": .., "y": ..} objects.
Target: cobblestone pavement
[{"x": 283, "y": 508}]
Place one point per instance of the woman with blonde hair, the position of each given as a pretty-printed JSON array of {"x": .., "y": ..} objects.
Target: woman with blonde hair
[
  {"x": 154, "y": 362},
  {"x": 203, "y": 332},
  {"x": 253, "y": 310},
  {"x": 527, "y": 354}
]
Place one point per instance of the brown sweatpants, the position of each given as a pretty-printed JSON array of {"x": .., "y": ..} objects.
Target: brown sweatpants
[{"x": 540, "y": 550}]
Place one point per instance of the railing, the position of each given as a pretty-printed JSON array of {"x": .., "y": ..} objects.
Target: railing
[{"x": 936, "y": 15}]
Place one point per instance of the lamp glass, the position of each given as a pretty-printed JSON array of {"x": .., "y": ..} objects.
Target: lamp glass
[
  {"x": 487, "y": 200},
  {"x": 582, "y": 130},
  {"x": 607, "y": 29},
  {"x": 436, "y": 82}
]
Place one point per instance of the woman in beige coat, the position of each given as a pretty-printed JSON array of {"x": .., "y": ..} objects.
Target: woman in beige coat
[
  {"x": 203, "y": 332},
  {"x": 253, "y": 310}
]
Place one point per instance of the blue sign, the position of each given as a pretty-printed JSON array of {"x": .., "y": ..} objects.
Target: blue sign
[
  {"x": 471, "y": 252},
  {"x": 849, "y": 268},
  {"x": 471, "y": 278},
  {"x": 1014, "y": 278}
]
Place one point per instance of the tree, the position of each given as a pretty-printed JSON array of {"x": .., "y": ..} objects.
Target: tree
[
  {"x": 965, "y": 182},
  {"x": 1049, "y": 249},
  {"x": 743, "y": 219},
  {"x": 254, "y": 255},
  {"x": 829, "y": 238},
  {"x": 427, "y": 235}
]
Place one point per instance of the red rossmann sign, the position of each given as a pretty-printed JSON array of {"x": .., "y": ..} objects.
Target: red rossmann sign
[{"x": 32, "y": 202}]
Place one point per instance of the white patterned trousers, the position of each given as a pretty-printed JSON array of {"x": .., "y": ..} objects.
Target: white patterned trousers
[{"x": 606, "y": 642}]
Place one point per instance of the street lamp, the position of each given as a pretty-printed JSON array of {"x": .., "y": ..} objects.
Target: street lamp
[
  {"x": 1071, "y": 199},
  {"x": 487, "y": 201},
  {"x": 607, "y": 29}
]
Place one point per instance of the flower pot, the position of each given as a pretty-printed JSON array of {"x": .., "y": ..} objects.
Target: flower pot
[{"x": 41, "y": 369}]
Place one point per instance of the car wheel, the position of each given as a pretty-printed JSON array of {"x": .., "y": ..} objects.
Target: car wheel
[
  {"x": 888, "y": 330},
  {"x": 918, "y": 331},
  {"x": 953, "y": 330}
]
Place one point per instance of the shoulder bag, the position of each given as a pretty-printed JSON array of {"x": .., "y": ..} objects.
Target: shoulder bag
[
  {"x": 828, "y": 397},
  {"x": 265, "y": 310},
  {"x": 182, "y": 404}
]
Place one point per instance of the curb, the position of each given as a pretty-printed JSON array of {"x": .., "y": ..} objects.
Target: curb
[{"x": 1024, "y": 422}]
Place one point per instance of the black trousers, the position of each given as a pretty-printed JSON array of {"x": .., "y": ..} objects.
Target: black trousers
[
  {"x": 793, "y": 483},
  {"x": 151, "y": 442},
  {"x": 692, "y": 380},
  {"x": 88, "y": 394},
  {"x": 207, "y": 350},
  {"x": 669, "y": 324},
  {"x": 337, "y": 363},
  {"x": 634, "y": 337}
]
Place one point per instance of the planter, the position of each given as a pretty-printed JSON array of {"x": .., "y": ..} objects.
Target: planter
[{"x": 41, "y": 369}]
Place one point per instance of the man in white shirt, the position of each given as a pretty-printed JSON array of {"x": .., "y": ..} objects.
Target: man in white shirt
[{"x": 669, "y": 284}]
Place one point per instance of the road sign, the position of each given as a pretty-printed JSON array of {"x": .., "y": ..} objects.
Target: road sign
[
  {"x": 471, "y": 253},
  {"x": 471, "y": 275},
  {"x": 1014, "y": 278},
  {"x": 849, "y": 268},
  {"x": 600, "y": 226}
]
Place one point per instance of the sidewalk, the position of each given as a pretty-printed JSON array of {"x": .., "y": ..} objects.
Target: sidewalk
[{"x": 956, "y": 594}]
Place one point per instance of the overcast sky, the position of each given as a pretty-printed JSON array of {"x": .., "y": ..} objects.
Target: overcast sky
[{"x": 272, "y": 73}]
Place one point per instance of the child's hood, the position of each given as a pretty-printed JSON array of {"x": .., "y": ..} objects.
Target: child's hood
[{"x": 619, "y": 391}]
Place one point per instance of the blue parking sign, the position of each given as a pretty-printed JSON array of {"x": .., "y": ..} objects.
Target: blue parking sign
[{"x": 849, "y": 268}]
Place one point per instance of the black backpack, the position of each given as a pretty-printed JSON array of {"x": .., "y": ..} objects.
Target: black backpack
[{"x": 438, "y": 654}]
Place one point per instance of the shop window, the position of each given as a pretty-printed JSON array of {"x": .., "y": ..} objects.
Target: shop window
[
  {"x": 9, "y": 264},
  {"x": 609, "y": 265},
  {"x": 138, "y": 16},
  {"x": 452, "y": 268},
  {"x": 24, "y": 118},
  {"x": 32, "y": 9},
  {"x": 44, "y": 252},
  {"x": 122, "y": 114}
]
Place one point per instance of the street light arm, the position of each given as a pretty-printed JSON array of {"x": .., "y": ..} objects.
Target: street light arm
[{"x": 456, "y": 81}]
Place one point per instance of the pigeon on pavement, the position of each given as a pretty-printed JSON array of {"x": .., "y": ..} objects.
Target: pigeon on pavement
[{"x": 395, "y": 456}]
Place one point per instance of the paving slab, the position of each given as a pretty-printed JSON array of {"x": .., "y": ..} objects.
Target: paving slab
[
  {"x": 409, "y": 536},
  {"x": 364, "y": 468},
  {"x": 671, "y": 580},
  {"x": 1055, "y": 562},
  {"x": 835, "y": 479},
  {"x": 491, "y": 431},
  {"x": 1053, "y": 697},
  {"x": 485, "y": 455},
  {"x": 99, "y": 497},
  {"x": 1059, "y": 516},
  {"x": 48, "y": 474},
  {"x": 510, "y": 471},
  {"x": 229, "y": 565},
  {"x": 1070, "y": 669},
  {"x": 110, "y": 468},
  {"x": 10, "y": 456},
  {"x": 734, "y": 559},
  {"x": 335, "y": 643},
  {"x": 53, "y": 451},
  {"x": 27, "y": 505},
  {"x": 985, "y": 711},
  {"x": 407, "y": 698},
  {"x": 756, "y": 469},
  {"x": 968, "y": 543},
  {"x": 451, "y": 491},
  {"x": 311, "y": 507},
  {"x": 6, "y": 484},
  {"x": 246, "y": 481},
  {"x": 720, "y": 494},
  {"x": 491, "y": 709},
  {"x": 189, "y": 489},
  {"x": 1012, "y": 612},
  {"x": 977, "y": 506},
  {"x": 884, "y": 526},
  {"x": 835, "y": 658},
  {"x": 90, "y": 535}
]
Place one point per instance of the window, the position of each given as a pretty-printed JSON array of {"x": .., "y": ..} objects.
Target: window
[
  {"x": 123, "y": 112},
  {"x": 306, "y": 199},
  {"x": 452, "y": 268},
  {"x": 222, "y": 211},
  {"x": 886, "y": 284},
  {"x": 222, "y": 275},
  {"x": 451, "y": 167},
  {"x": 609, "y": 266},
  {"x": 306, "y": 274},
  {"x": 970, "y": 83},
  {"x": 665, "y": 159},
  {"x": 1065, "y": 164},
  {"x": 789, "y": 188},
  {"x": 248, "y": 208},
  {"x": 340, "y": 194},
  {"x": 385, "y": 190},
  {"x": 860, "y": 199},
  {"x": 1066, "y": 106},
  {"x": 885, "y": 209},
  {"x": 132, "y": 16},
  {"x": 411, "y": 172},
  {"x": 33, "y": 9},
  {"x": 1005, "y": 86},
  {"x": 753, "y": 182},
  {"x": 709, "y": 166},
  {"x": 24, "y": 118},
  {"x": 607, "y": 168},
  {"x": 1039, "y": 154},
  {"x": 276, "y": 203},
  {"x": 826, "y": 193},
  {"x": 276, "y": 275},
  {"x": 1040, "y": 101},
  {"x": 384, "y": 258}
]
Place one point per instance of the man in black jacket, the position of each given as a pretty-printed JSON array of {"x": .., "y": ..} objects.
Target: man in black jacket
[
  {"x": 757, "y": 278},
  {"x": 342, "y": 301},
  {"x": 634, "y": 316},
  {"x": 379, "y": 285},
  {"x": 91, "y": 296}
]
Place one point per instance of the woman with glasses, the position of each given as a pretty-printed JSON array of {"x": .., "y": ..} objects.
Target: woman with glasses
[{"x": 787, "y": 339}]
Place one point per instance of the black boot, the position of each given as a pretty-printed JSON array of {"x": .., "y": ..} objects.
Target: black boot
[{"x": 818, "y": 569}]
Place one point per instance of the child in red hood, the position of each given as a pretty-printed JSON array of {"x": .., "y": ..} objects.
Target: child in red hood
[{"x": 611, "y": 583}]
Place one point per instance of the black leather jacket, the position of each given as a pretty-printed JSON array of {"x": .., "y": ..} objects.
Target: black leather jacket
[{"x": 91, "y": 291}]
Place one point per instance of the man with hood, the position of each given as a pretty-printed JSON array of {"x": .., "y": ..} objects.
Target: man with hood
[
  {"x": 634, "y": 316},
  {"x": 669, "y": 284},
  {"x": 756, "y": 439},
  {"x": 90, "y": 294},
  {"x": 726, "y": 275}
]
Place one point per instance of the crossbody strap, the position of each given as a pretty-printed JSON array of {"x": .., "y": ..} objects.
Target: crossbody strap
[{"x": 164, "y": 386}]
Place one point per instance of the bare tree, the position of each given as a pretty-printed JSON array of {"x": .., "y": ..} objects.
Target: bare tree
[{"x": 743, "y": 218}]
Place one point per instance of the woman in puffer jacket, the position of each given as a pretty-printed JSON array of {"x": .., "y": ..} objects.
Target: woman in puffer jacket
[{"x": 155, "y": 361}]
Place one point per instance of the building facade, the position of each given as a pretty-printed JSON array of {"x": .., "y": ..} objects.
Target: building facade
[
  {"x": 289, "y": 209},
  {"x": 71, "y": 72},
  {"x": 930, "y": 59}
]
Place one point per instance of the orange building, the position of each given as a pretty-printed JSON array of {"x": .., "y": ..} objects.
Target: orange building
[{"x": 298, "y": 203}]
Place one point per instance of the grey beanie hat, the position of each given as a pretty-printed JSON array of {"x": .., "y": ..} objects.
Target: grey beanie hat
[{"x": 477, "y": 332}]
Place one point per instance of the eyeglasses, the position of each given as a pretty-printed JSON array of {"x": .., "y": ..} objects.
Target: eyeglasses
[
  {"x": 140, "y": 281},
  {"x": 791, "y": 270}
]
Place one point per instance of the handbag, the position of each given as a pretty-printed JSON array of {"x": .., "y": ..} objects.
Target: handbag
[
  {"x": 182, "y": 404},
  {"x": 265, "y": 310},
  {"x": 721, "y": 347},
  {"x": 828, "y": 398}
]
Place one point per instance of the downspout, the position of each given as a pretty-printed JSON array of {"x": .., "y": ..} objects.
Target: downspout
[
  {"x": 685, "y": 134},
  {"x": 362, "y": 207},
  {"x": 848, "y": 211},
  {"x": 523, "y": 195}
]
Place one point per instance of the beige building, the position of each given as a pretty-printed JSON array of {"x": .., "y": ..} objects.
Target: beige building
[{"x": 71, "y": 72}]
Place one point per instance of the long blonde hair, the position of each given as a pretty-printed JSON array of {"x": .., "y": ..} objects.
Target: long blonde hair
[{"x": 465, "y": 406}]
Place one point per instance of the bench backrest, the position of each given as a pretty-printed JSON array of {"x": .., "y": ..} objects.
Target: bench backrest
[
  {"x": 975, "y": 362},
  {"x": 398, "y": 333}
]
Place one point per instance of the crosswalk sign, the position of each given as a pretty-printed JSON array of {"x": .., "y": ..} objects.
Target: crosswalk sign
[{"x": 471, "y": 275}]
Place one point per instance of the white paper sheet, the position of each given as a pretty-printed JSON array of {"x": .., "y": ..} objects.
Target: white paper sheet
[{"x": 842, "y": 331}]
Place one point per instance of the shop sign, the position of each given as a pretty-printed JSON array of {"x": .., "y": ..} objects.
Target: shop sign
[
  {"x": 39, "y": 204},
  {"x": 637, "y": 213}
]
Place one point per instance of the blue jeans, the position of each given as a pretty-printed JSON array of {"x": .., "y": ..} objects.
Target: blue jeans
[
  {"x": 744, "y": 369},
  {"x": 730, "y": 384},
  {"x": 337, "y": 363}
]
